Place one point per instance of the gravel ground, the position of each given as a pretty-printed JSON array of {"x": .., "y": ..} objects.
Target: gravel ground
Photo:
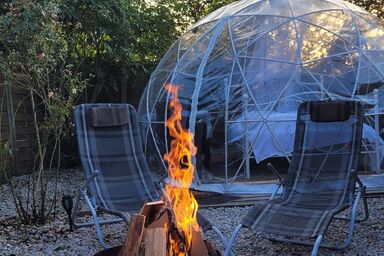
[{"x": 54, "y": 238}]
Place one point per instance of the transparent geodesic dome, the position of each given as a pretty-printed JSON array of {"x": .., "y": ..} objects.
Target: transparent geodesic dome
[{"x": 243, "y": 71}]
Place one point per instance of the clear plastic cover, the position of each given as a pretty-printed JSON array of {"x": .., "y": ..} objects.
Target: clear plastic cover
[{"x": 244, "y": 70}]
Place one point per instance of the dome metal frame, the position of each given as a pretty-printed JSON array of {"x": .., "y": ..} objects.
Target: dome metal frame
[{"x": 244, "y": 69}]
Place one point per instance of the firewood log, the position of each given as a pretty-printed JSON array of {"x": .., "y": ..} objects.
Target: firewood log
[
  {"x": 132, "y": 243},
  {"x": 198, "y": 247},
  {"x": 156, "y": 242},
  {"x": 151, "y": 210}
]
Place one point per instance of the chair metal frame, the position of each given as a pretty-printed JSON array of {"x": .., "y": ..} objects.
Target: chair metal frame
[
  {"x": 359, "y": 190},
  {"x": 317, "y": 243},
  {"x": 90, "y": 202},
  {"x": 94, "y": 209}
]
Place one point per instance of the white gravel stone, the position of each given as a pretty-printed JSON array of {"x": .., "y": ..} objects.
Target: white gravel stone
[{"x": 54, "y": 238}]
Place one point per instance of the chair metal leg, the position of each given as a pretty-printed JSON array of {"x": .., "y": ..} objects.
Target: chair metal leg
[
  {"x": 363, "y": 190},
  {"x": 75, "y": 212},
  {"x": 353, "y": 218},
  {"x": 365, "y": 204},
  {"x": 220, "y": 235},
  {"x": 222, "y": 238},
  {"x": 75, "y": 209},
  {"x": 275, "y": 192},
  {"x": 99, "y": 232},
  {"x": 316, "y": 245},
  {"x": 232, "y": 240},
  {"x": 366, "y": 210},
  {"x": 351, "y": 226}
]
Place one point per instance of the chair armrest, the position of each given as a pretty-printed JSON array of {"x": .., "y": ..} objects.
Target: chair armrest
[
  {"x": 90, "y": 179},
  {"x": 277, "y": 174},
  {"x": 358, "y": 181},
  {"x": 161, "y": 181},
  {"x": 165, "y": 197},
  {"x": 158, "y": 185}
]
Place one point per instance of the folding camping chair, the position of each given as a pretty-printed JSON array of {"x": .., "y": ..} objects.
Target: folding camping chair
[
  {"x": 321, "y": 179},
  {"x": 118, "y": 179}
]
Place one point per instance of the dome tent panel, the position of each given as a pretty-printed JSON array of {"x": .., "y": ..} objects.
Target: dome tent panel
[
  {"x": 170, "y": 59},
  {"x": 319, "y": 39},
  {"x": 244, "y": 69},
  {"x": 194, "y": 35},
  {"x": 304, "y": 7},
  {"x": 268, "y": 8},
  {"x": 278, "y": 44},
  {"x": 245, "y": 30}
]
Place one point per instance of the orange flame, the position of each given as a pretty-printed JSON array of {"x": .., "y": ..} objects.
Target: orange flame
[{"x": 180, "y": 170}]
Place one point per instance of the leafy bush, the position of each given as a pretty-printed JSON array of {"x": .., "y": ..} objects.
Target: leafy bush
[
  {"x": 36, "y": 56},
  {"x": 56, "y": 49}
]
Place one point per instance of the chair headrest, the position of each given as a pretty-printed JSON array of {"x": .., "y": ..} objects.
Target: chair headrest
[
  {"x": 108, "y": 116},
  {"x": 329, "y": 111}
]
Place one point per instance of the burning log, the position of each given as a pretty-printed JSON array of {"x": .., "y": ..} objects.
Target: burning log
[
  {"x": 151, "y": 209},
  {"x": 198, "y": 246},
  {"x": 151, "y": 238},
  {"x": 171, "y": 231},
  {"x": 181, "y": 172}
]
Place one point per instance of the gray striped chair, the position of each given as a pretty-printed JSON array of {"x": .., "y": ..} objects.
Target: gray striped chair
[
  {"x": 321, "y": 180},
  {"x": 118, "y": 179}
]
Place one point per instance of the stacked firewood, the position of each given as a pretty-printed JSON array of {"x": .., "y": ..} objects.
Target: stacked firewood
[{"x": 149, "y": 232}]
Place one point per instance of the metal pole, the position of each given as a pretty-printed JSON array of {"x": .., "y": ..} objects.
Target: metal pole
[
  {"x": 322, "y": 96},
  {"x": 199, "y": 82},
  {"x": 226, "y": 129},
  {"x": 377, "y": 128},
  {"x": 246, "y": 139}
]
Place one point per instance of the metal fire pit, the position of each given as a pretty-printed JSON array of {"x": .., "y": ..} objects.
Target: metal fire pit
[{"x": 114, "y": 251}]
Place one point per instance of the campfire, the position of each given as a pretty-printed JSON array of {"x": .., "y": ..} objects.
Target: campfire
[
  {"x": 180, "y": 171},
  {"x": 169, "y": 227}
]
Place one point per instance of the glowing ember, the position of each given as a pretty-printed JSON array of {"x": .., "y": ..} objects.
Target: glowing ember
[{"x": 180, "y": 170}]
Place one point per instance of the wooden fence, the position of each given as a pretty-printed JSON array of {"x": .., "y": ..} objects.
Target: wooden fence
[{"x": 17, "y": 129}]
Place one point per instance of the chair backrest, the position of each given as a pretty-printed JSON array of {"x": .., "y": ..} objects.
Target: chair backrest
[
  {"x": 326, "y": 152},
  {"x": 109, "y": 143}
]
